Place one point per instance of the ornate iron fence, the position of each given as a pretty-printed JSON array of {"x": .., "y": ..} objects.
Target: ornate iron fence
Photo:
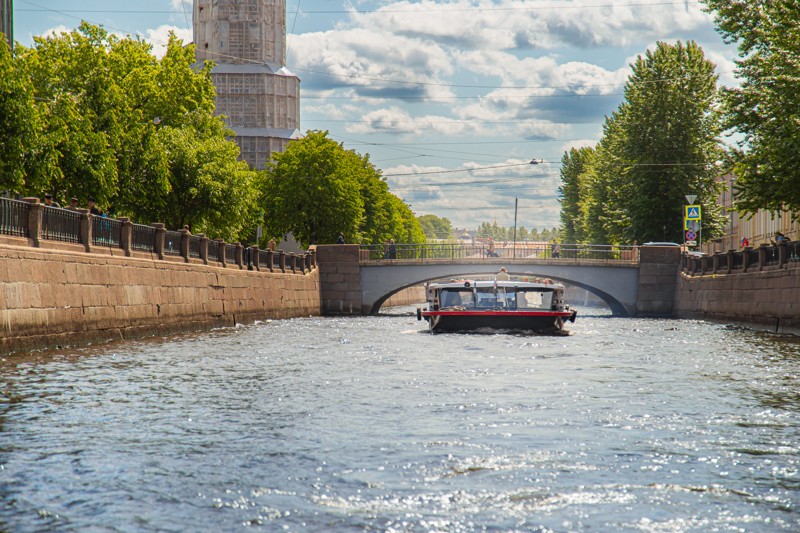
[
  {"x": 423, "y": 252},
  {"x": 61, "y": 225},
  {"x": 194, "y": 245},
  {"x": 143, "y": 238},
  {"x": 230, "y": 253},
  {"x": 14, "y": 217},
  {"x": 106, "y": 232},
  {"x": 213, "y": 251},
  {"x": 172, "y": 242}
]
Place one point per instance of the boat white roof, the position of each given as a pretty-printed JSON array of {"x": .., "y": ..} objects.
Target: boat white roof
[{"x": 487, "y": 283}]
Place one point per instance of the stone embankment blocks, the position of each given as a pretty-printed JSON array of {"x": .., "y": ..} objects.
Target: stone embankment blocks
[
  {"x": 767, "y": 299},
  {"x": 59, "y": 297}
]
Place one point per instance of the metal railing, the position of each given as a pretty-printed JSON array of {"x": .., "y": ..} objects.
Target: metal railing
[
  {"x": 213, "y": 251},
  {"x": 425, "y": 252},
  {"x": 14, "y": 217},
  {"x": 172, "y": 242},
  {"x": 769, "y": 257},
  {"x": 106, "y": 232},
  {"x": 230, "y": 253},
  {"x": 27, "y": 218},
  {"x": 143, "y": 238},
  {"x": 61, "y": 225},
  {"x": 195, "y": 242}
]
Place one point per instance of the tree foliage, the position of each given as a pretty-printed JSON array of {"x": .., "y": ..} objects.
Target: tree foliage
[
  {"x": 436, "y": 227},
  {"x": 661, "y": 144},
  {"x": 111, "y": 121},
  {"x": 765, "y": 107},
  {"x": 316, "y": 189},
  {"x": 574, "y": 165}
]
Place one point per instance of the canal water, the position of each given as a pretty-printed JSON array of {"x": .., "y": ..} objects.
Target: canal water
[{"x": 373, "y": 424}]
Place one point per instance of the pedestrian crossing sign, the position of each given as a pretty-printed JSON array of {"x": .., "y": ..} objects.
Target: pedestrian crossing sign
[{"x": 692, "y": 212}]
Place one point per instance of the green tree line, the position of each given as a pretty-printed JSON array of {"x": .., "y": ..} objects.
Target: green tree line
[
  {"x": 88, "y": 114},
  {"x": 660, "y": 144},
  {"x": 664, "y": 140}
]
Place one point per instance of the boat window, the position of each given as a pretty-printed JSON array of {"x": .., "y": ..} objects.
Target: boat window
[
  {"x": 535, "y": 299},
  {"x": 450, "y": 298}
]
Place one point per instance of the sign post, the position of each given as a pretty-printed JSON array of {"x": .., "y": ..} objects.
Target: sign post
[{"x": 692, "y": 218}]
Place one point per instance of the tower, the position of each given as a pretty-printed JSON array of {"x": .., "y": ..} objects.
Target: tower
[
  {"x": 7, "y": 20},
  {"x": 246, "y": 39}
]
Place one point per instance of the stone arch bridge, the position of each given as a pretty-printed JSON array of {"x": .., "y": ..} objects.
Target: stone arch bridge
[{"x": 352, "y": 284}]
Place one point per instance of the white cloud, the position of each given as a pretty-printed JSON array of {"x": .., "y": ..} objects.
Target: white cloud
[
  {"x": 159, "y": 37},
  {"x": 375, "y": 64},
  {"x": 515, "y": 24}
]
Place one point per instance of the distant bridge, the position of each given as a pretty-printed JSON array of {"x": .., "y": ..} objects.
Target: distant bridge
[{"x": 358, "y": 280}]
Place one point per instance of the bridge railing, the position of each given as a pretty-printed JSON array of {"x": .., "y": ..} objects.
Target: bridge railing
[
  {"x": 457, "y": 251},
  {"x": 764, "y": 257}
]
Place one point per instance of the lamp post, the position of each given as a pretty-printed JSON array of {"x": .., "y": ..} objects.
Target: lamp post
[{"x": 514, "y": 254}]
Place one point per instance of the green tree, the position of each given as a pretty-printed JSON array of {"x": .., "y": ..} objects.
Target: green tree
[
  {"x": 313, "y": 190},
  {"x": 19, "y": 122},
  {"x": 211, "y": 191},
  {"x": 765, "y": 107},
  {"x": 436, "y": 227},
  {"x": 135, "y": 132},
  {"x": 572, "y": 192},
  {"x": 671, "y": 143},
  {"x": 659, "y": 145}
]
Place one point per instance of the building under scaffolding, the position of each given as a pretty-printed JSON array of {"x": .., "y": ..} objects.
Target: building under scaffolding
[
  {"x": 246, "y": 39},
  {"x": 7, "y": 20}
]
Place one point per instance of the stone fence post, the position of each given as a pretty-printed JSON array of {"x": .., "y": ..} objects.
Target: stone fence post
[
  {"x": 186, "y": 237},
  {"x": 271, "y": 260},
  {"x": 223, "y": 260},
  {"x": 782, "y": 254},
  {"x": 35, "y": 210},
  {"x": 762, "y": 256},
  {"x": 126, "y": 236},
  {"x": 730, "y": 261},
  {"x": 282, "y": 260},
  {"x": 254, "y": 258},
  {"x": 240, "y": 255},
  {"x": 161, "y": 232},
  {"x": 203, "y": 248},
  {"x": 86, "y": 229}
]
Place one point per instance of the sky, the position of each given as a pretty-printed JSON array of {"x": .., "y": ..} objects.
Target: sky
[{"x": 466, "y": 106}]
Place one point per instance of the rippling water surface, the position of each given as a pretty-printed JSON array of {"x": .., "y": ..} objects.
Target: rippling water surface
[{"x": 372, "y": 424}]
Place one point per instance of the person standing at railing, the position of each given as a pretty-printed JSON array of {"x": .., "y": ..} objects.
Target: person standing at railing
[
  {"x": 555, "y": 249},
  {"x": 340, "y": 239},
  {"x": 392, "y": 249},
  {"x": 93, "y": 209},
  {"x": 48, "y": 201},
  {"x": 73, "y": 203},
  {"x": 490, "y": 252}
]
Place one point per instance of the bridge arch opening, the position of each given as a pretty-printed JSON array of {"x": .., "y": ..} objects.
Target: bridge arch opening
[{"x": 616, "y": 307}]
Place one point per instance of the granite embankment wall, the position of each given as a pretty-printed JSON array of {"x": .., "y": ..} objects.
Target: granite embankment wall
[
  {"x": 52, "y": 298},
  {"x": 766, "y": 298}
]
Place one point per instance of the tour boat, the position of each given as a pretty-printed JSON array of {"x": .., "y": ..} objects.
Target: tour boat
[{"x": 475, "y": 305}]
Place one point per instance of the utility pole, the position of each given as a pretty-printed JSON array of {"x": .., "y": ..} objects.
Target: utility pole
[{"x": 7, "y": 21}]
